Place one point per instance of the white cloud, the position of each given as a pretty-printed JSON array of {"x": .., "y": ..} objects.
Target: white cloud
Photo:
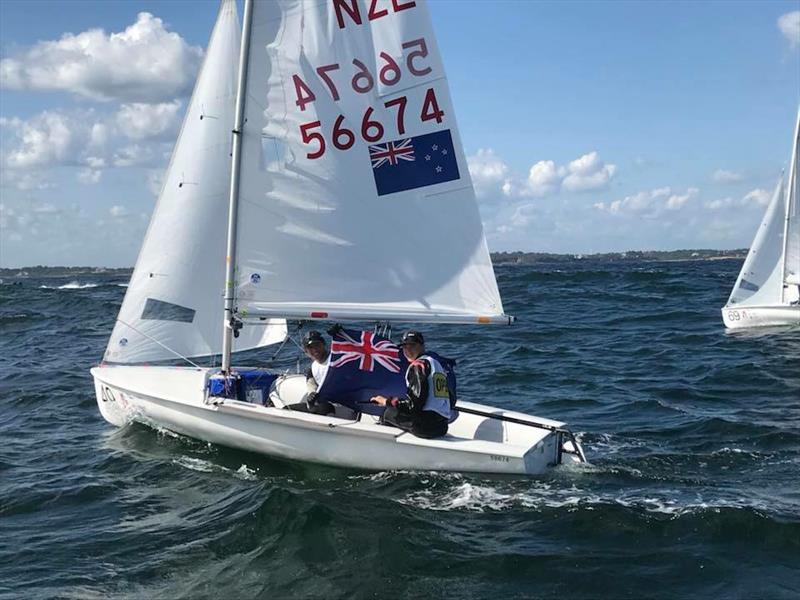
[
  {"x": 545, "y": 178},
  {"x": 676, "y": 201},
  {"x": 145, "y": 62},
  {"x": 155, "y": 180},
  {"x": 719, "y": 203},
  {"x": 139, "y": 121},
  {"x": 87, "y": 139},
  {"x": 89, "y": 176},
  {"x": 789, "y": 24},
  {"x": 10, "y": 224},
  {"x": 487, "y": 170},
  {"x": 118, "y": 211},
  {"x": 523, "y": 215},
  {"x": 98, "y": 135},
  {"x": 659, "y": 192},
  {"x": 44, "y": 139},
  {"x": 24, "y": 180},
  {"x": 757, "y": 197},
  {"x": 588, "y": 173},
  {"x": 723, "y": 176},
  {"x": 492, "y": 176},
  {"x": 95, "y": 162},
  {"x": 46, "y": 208},
  {"x": 649, "y": 203},
  {"x": 132, "y": 155}
]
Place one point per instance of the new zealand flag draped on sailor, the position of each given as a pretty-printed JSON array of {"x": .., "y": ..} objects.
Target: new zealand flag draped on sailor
[
  {"x": 414, "y": 162},
  {"x": 364, "y": 364}
]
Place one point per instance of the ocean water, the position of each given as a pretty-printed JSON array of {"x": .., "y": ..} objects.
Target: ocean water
[{"x": 692, "y": 433}]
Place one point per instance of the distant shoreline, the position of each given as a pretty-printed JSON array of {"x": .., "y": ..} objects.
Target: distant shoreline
[
  {"x": 498, "y": 258},
  {"x": 524, "y": 258}
]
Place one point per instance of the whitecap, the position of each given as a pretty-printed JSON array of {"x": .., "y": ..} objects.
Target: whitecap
[
  {"x": 75, "y": 285},
  {"x": 245, "y": 472},
  {"x": 195, "y": 464}
]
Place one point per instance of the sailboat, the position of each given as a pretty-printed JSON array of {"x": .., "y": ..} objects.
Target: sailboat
[
  {"x": 323, "y": 135},
  {"x": 767, "y": 291}
]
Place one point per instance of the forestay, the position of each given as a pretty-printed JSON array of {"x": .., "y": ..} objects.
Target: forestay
[
  {"x": 173, "y": 305},
  {"x": 355, "y": 198}
]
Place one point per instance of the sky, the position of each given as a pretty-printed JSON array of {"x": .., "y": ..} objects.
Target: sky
[{"x": 588, "y": 126}]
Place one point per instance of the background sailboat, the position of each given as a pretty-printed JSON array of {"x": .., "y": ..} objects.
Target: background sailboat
[
  {"x": 348, "y": 198},
  {"x": 767, "y": 291}
]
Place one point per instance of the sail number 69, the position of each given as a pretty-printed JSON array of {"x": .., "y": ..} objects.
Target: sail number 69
[{"x": 735, "y": 315}]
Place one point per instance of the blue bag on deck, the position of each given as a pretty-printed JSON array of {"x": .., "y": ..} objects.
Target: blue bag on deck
[{"x": 246, "y": 385}]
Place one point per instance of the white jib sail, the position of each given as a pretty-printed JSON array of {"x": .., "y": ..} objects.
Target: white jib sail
[
  {"x": 760, "y": 280},
  {"x": 356, "y": 200},
  {"x": 173, "y": 305}
]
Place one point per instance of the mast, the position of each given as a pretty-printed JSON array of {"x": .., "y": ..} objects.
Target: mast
[
  {"x": 790, "y": 189},
  {"x": 229, "y": 321}
]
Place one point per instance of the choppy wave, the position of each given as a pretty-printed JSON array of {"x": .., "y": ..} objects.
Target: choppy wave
[
  {"x": 205, "y": 466},
  {"x": 693, "y": 438},
  {"x": 72, "y": 285}
]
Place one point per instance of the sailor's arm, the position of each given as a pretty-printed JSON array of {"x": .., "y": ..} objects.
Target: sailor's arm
[
  {"x": 417, "y": 390},
  {"x": 311, "y": 383},
  {"x": 417, "y": 387}
]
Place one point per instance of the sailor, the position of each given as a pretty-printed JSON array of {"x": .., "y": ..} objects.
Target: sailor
[
  {"x": 317, "y": 350},
  {"x": 425, "y": 409}
]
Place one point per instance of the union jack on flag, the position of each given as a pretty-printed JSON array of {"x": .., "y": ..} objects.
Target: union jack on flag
[
  {"x": 415, "y": 162},
  {"x": 391, "y": 152},
  {"x": 367, "y": 350},
  {"x": 363, "y": 365}
]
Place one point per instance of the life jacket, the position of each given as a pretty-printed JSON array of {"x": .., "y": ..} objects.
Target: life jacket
[
  {"x": 449, "y": 366},
  {"x": 438, "y": 399}
]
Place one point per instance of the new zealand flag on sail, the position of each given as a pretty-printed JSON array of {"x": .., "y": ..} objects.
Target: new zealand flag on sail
[
  {"x": 364, "y": 365},
  {"x": 415, "y": 162}
]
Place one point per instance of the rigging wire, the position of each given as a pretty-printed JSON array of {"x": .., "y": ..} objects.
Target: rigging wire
[{"x": 167, "y": 348}]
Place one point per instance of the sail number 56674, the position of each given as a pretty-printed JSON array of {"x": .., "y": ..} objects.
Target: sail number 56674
[{"x": 371, "y": 130}]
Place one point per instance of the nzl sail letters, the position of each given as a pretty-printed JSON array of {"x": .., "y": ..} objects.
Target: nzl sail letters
[{"x": 376, "y": 11}]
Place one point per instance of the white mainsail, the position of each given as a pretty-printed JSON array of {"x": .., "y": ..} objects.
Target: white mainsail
[
  {"x": 355, "y": 197},
  {"x": 173, "y": 305},
  {"x": 760, "y": 281},
  {"x": 792, "y": 255}
]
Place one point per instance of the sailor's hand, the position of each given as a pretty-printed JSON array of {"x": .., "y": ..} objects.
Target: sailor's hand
[
  {"x": 311, "y": 399},
  {"x": 379, "y": 400}
]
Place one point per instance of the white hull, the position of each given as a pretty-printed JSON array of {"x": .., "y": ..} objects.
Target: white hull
[
  {"x": 176, "y": 399},
  {"x": 738, "y": 317}
]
